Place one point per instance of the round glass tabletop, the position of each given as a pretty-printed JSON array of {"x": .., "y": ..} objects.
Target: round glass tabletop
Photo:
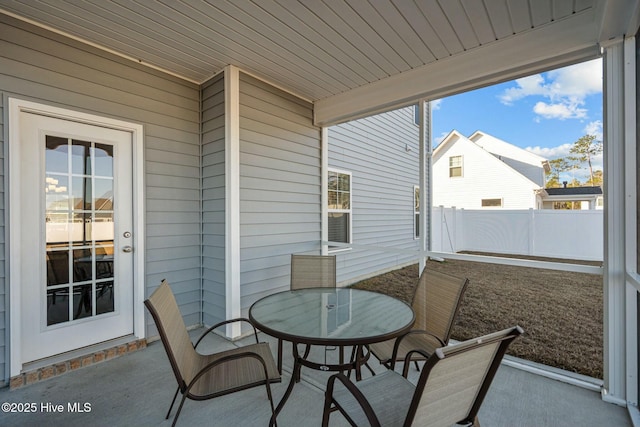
[{"x": 328, "y": 316}]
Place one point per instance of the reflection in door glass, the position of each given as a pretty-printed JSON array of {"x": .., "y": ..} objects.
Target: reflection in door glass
[
  {"x": 79, "y": 229},
  {"x": 81, "y": 157},
  {"x": 57, "y": 154},
  {"x": 104, "y": 160},
  {"x": 57, "y": 306}
]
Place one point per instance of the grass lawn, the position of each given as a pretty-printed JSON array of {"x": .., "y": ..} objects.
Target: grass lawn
[{"x": 561, "y": 312}]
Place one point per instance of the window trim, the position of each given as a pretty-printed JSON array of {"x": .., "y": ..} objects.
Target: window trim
[{"x": 333, "y": 249}]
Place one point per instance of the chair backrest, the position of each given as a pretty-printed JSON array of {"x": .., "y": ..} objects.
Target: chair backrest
[
  {"x": 173, "y": 332},
  {"x": 436, "y": 302},
  {"x": 455, "y": 380},
  {"x": 313, "y": 271}
]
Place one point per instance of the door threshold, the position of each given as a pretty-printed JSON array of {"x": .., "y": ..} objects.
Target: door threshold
[{"x": 54, "y": 366}]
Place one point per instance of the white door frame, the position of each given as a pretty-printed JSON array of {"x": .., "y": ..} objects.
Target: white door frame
[{"x": 17, "y": 106}]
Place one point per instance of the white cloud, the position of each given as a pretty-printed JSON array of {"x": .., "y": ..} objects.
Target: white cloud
[
  {"x": 594, "y": 128},
  {"x": 561, "y": 111},
  {"x": 550, "y": 153},
  {"x": 565, "y": 89},
  {"x": 526, "y": 86},
  {"x": 435, "y": 104},
  {"x": 438, "y": 139}
]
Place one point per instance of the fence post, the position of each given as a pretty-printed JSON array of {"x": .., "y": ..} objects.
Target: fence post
[
  {"x": 454, "y": 230},
  {"x": 532, "y": 234}
]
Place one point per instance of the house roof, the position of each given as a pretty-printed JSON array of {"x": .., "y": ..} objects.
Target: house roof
[
  {"x": 501, "y": 148},
  {"x": 495, "y": 146},
  {"x": 352, "y": 58},
  {"x": 574, "y": 191}
]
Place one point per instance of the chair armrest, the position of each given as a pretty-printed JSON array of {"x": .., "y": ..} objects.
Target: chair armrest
[
  {"x": 396, "y": 346},
  {"x": 227, "y": 359},
  {"x": 407, "y": 360},
  {"x": 357, "y": 394},
  {"x": 217, "y": 325}
]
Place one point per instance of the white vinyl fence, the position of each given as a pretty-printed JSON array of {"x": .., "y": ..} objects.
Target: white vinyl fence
[{"x": 548, "y": 233}]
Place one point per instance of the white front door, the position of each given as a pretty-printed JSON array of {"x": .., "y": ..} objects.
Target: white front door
[{"x": 75, "y": 234}]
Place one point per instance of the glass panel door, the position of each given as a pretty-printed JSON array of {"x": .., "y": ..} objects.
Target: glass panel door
[{"x": 79, "y": 218}]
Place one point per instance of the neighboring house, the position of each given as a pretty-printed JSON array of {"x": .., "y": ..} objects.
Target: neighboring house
[
  {"x": 587, "y": 197},
  {"x": 373, "y": 175},
  {"x": 481, "y": 171}
]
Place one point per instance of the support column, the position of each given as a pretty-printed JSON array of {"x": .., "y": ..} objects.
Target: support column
[
  {"x": 614, "y": 321},
  {"x": 232, "y": 198}
]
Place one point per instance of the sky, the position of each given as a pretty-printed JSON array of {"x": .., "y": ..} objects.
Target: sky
[{"x": 543, "y": 113}]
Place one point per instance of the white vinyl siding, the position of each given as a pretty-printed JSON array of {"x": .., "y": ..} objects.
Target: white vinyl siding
[
  {"x": 38, "y": 65},
  {"x": 381, "y": 153},
  {"x": 280, "y": 186}
]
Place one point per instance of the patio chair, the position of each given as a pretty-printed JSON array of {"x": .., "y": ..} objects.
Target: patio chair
[
  {"x": 436, "y": 302},
  {"x": 449, "y": 390},
  {"x": 205, "y": 376},
  {"x": 310, "y": 271}
]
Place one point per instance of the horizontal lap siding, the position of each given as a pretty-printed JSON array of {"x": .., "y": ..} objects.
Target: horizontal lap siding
[
  {"x": 381, "y": 152},
  {"x": 45, "y": 67},
  {"x": 4, "y": 292},
  {"x": 213, "y": 200},
  {"x": 280, "y": 186}
]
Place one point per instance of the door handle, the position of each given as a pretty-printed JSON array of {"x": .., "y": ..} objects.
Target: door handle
[{"x": 127, "y": 249}]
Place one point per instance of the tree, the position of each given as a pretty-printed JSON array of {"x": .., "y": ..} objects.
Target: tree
[
  {"x": 557, "y": 167},
  {"x": 585, "y": 149},
  {"x": 597, "y": 179}
]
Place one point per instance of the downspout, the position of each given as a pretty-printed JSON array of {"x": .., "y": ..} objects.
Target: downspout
[
  {"x": 424, "y": 151},
  {"x": 201, "y": 207}
]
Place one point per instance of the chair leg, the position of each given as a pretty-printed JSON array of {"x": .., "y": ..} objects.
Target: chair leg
[
  {"x": 417, "y": 366},
  {"x": 270, "y": 396},
  {"x": 175, "y": 418},
  {"x": 326, "y": 411},
  {"x": 172, "y": 402},
  {"x": 280, "y": 356}
]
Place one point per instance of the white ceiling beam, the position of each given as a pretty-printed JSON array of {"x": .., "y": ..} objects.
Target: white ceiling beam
[{"x": 563, "y": 42}]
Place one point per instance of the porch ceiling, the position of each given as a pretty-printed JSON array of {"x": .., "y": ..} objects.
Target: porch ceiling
[{"x": 352, "y": 57}]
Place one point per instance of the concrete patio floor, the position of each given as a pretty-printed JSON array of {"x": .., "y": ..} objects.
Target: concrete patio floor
[{"x": 136, "y": 389}]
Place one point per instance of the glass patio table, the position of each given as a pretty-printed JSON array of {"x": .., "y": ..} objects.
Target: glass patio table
[{"x": 330, "y": 317}]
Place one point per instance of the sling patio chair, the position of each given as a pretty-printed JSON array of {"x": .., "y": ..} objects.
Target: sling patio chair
[
  {"x": 310, "y": 271},
  {"x": 205, "y": 376},
  {"x": 436, "y": 303},
  {"x": 450, "y": 389}
]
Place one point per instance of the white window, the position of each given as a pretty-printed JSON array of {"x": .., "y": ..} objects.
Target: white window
[
  {"x": 455, "y": 166},
  {"x": 491, "y": 203},
  {"x": 339, "y": 207},
  {"x": 416, "y": 211}
]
